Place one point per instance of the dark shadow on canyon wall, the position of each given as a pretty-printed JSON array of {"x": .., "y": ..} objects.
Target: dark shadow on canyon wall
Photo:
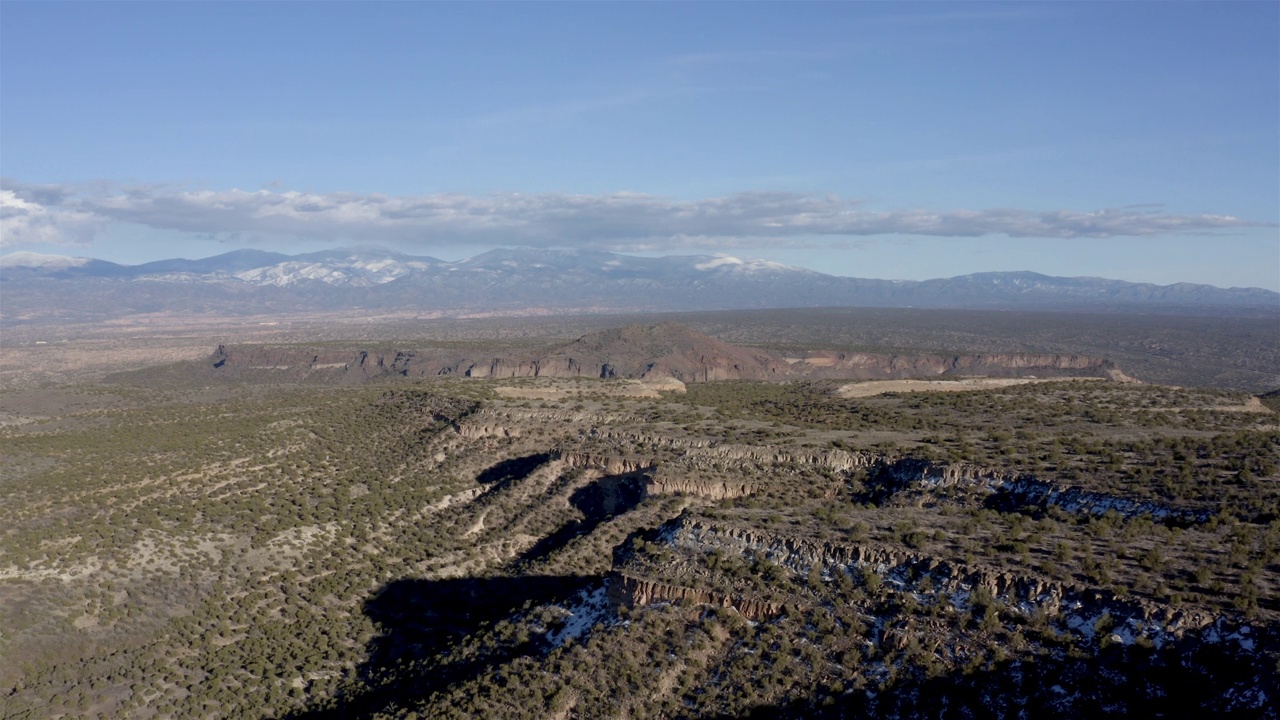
[
  {"x": 507, "y": 472},
  {"x": 421, "y": 623},
  {"x": 599, "y": 501},
  {"x": 1185, "y": 679},
  {"x": 416, "y": 654}
]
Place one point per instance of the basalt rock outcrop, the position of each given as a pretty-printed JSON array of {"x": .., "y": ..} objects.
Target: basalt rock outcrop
[
  {"x": 476, "y": 431},
  {"x": 610, "y": 464},
  {"x": 1074, "y": 607},
  {"x": 836, "y": 460},
  {"x": 713, "y": 490},
  {"x": 716, "y": 471},
  {"x": 1011, "y": 491},
  {"x": 879, "y": 366},
  {"x": 657, "y": 353},
  {"x": 638, "y": 592}
]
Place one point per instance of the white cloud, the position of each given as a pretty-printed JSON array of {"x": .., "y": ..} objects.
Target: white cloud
[
  {"x": 614, "y": 221},
  {"x": 26, "y": 222}
]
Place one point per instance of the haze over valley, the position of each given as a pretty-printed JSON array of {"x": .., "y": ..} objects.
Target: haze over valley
[{"x": 528, "y": 281}]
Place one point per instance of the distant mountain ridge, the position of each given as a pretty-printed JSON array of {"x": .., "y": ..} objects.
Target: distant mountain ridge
[{"x": 510, "y": 280}]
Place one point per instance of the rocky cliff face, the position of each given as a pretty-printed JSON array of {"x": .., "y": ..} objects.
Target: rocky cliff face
[
  {"x": 879, "y": 366},
  {"x": 676, "y": 465},
  {"x": 609, "y": 464},
  {"x": 638, "y": 592},
  {"x": 713, "y": 490},
  {"x": 834, "y": 459},
  {"x": 658, "y": 352},
  {"x": 1076, "y": 608},
  {"x": 1015, "y": 490}
]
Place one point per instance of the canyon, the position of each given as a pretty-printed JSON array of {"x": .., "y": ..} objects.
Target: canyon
[{"x": 653, "y": 352}]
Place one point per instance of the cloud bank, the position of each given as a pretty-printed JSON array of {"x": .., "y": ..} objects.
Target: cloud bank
[
  {"x": 23, "y": 220},
  {"x": 66, "y": 215}
]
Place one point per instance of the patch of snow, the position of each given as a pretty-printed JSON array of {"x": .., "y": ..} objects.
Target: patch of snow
[
  {"x": 1252, "y": 698},
  {"x": 718, "y": 261},
  {"x": 1245, "y": 643},
  {"x": 376, "y": 265},
  {"x": 896, "y": 578},
  {"x": 738, "y": 265},
  {"x": 184, "y": 277},
  {"x": 354, "y": 271},
  {"x": 590, "y": 609},
  {"x": 754, "y": 266},
  {"x": 1083, "y": 625},
  {"x": 1128, "y": 633}
]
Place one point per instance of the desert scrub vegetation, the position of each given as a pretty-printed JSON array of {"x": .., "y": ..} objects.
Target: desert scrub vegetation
[
  {"x": 436, "y": 548},
  {"x": 1174, "y": 444},
  {"x": 227, "y": 529}
]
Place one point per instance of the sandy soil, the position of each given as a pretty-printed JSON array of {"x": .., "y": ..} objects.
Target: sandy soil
[
  {"x": 1252, "y": 405},
  {"x": 33, "y": 365},
  {"x": 613, "y": 388},
  {"x": 880, "y": 387}
]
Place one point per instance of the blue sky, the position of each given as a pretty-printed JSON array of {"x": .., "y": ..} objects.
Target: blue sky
[{"x": 1139, "y": 141}]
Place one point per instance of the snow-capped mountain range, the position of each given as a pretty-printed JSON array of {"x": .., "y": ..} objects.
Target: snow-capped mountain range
[
  {"x": 366, "y": 267},
  {"x": 254, "y": 281}
]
